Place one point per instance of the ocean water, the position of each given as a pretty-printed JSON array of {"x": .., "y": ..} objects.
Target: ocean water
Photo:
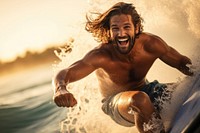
[{"x": 26, "y": 104}]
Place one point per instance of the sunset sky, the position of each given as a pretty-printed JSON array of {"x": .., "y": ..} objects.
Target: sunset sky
[{"x": 37, "y": 24}]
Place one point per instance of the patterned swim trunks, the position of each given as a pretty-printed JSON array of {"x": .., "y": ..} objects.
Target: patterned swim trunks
[{"x": 157, "y": 92}]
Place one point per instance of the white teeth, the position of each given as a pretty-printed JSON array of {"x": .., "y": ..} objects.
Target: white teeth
[{"x": 124, "y": 39}]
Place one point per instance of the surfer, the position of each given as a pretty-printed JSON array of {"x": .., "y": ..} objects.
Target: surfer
[{"x": 121, "y": 63}]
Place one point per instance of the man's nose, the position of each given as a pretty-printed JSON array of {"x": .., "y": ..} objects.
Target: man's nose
[{"x": 121, "y": 33}]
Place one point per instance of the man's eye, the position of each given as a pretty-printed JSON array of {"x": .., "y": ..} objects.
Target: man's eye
[
  {"x": 127, "y": 27},
  {"x": 115, "y": 29}
]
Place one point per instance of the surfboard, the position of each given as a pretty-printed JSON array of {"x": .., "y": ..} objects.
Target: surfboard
[{"x": 187, "y": 118}]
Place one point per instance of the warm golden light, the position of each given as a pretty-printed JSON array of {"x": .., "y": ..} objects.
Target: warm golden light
[{"x": 34, "y": 25}]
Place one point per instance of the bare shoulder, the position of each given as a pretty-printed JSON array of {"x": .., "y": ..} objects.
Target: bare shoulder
[
  {"x": 154, "y": 44},
  {"x": 97, "y": 56}
]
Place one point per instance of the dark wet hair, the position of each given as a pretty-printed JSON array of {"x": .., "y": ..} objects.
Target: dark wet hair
[{"x": 100, "y": 26}]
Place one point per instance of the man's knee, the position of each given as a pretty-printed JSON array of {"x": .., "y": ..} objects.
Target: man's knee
[
  {"x": 136, "y": 100},
  {"x": 139, "y": 99}
]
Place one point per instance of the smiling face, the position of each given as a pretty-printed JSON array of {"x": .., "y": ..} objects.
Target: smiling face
[{"x": 122, "y": 32}]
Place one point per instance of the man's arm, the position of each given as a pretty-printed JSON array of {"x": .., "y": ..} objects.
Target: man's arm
[
  {"x": 175, "y": 59},
  {"x": 170, "y": 56},
  {"x": 77, "y": 71}
]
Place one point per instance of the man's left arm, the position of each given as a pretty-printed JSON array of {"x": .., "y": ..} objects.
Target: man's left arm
[
  {"x": 177, "y": 60},
  {"x": 159, "y": 48}
]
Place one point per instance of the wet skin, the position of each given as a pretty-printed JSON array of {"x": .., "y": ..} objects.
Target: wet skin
[{"x": 122, "y": 66}]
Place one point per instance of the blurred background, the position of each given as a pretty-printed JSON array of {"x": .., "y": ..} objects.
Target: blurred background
[{"x": 31, "y": 32}]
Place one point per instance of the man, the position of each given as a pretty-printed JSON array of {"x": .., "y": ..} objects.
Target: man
[{"x": 121, "y": 62}]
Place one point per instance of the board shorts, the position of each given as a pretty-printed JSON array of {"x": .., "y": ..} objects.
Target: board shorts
[{"x": 156, "y": 91}]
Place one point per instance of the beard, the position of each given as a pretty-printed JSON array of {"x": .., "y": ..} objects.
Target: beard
[{"x": 124, "y": 44}]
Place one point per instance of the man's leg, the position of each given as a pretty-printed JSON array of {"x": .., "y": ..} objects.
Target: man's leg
[{"x": 136, "y": 107}]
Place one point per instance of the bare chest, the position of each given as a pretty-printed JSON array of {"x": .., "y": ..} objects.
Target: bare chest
[
  {"x": 123, "y": 73},
  {"x": 134, "y": 70},
  {"x": 119, "y": 76}
]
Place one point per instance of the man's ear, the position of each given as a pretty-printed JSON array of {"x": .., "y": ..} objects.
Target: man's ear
[{"x": 137, "y": 29}]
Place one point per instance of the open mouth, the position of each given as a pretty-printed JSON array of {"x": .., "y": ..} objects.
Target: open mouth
[{"x": 123, "y": 42}]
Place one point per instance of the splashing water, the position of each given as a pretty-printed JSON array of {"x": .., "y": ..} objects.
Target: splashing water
[
  {"x": 155, "y": 124},
  {"x": 165, "y": 96},
  {"x": 87, "y": 116}
]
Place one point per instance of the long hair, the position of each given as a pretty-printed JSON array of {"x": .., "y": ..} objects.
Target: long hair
[{"x": 100, "y": 26}]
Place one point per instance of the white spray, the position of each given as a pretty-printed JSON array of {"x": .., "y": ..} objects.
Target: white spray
[{"x": 161, "y": 19}]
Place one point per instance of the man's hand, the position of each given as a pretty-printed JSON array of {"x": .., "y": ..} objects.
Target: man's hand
[
  {"x": 185, "y": 66},
  {"x": 63, "y": 98},
  {"x": 187, "y": 70}
]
